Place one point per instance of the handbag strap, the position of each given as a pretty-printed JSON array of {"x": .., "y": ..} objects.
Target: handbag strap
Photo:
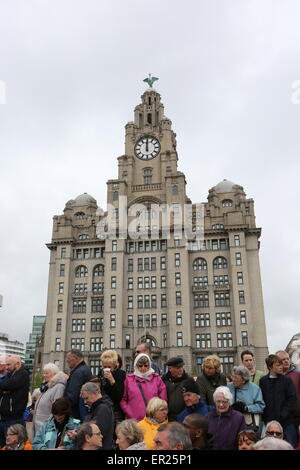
[{"x": 142, "y": 393}]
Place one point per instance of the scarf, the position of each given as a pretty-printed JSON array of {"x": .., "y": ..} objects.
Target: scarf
[{"x": 136, "y": 370}]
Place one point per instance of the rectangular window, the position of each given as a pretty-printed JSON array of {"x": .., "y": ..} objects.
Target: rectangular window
[
  {"x": 140, "y": 321},
  {"x": 95, "y": 365},
  {"x": 97, "y": 253},
  {"x": 78, "y": 324},
  {"x": 95, "y": 344},
  {"x": 113, "y": 320},
  {"x": 178, "y": 318},
  {"x": 164, "y": 340},
  {"x": 177, "y": 279},
  {"x": 179, "y": 337},
  {"x": 140, "y": 301},
  {"x": 177, "y": 260},
  {"x": 201, "y": 300},
  {"x": 113, "y": 301},
  {"x": 154, "y": 320},
  {"x": 146, "y": 301},
  {"x": 244, "y": 338},
  {"x": 114, "y": 245},
  {"x": 112, "y": 342},
  {"x": 236, "y": 240},
  {"x": 147, "y": 321},
  {"x": 60, "y": 287},
  {"x": 223, "y": 244},
  {"x": 130, "y": 283},
  {"x": 57, "y": 344},
  {"x": 240, "y": 279},
  {"x": 153, "y": 301},
  {"x": 223, "y": 319},
  {"x": 130, "y": 320},
  {"x": 176, "y": 241},
  {"x": 127, "y": 342},
  {"x": 130, "y": 301},
  {"x": 241, "y": 296},
  {"x": 114, "y": 264},
  {"x": 163, "y": 281},
  {"x": 214, "y": 244},
  {"x": 77, "y": 343},
  {"x": 153, "y": 264},
  {"x": 200, "y": 282},
  {"x": 60, "y": 306},
  {"x": 164, "y": 319},
  {"x": 98, "y": 287},
  {"x": 224, "y": 340},
  {"x": 140, "y": 284},
  {"x": 63, "y": 252},
  {"x": 153, "y": 282},
  {"x": 243, "y": 317},
  {"x": 202, "y": 320},
  {"x": 95, "y": 324},
  {"x": 130, "y": 264},
  {"x": 203, "y": 341},
  {"x": 178, "y": 298},
  {"x": 58, "y": 324},
  {"x": 222, "y": 299},
  {"x": 238, "y": 259},
  {"x": 163, "y": 300},
  {"x": 61, "y": 270},
  {"x": 97, "y": 305},
  {"x": 79, "y": 306},
  {"x": 147, "y": 282},
  {"x": 162, "y": 262},
  {"x": 113, "y": 282},
  {"x": 86, "y": 253}
]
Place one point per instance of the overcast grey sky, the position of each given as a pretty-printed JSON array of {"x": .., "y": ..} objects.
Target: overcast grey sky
[{"x": 73, "y": 72}]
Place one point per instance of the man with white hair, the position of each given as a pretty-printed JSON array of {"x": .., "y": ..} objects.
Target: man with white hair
[
  {"x": 13, "y": 395},
  {"x": 3, "y": 371}
]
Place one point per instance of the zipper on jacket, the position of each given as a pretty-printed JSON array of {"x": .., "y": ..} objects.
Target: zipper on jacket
[{"x": 10, "y": 405}]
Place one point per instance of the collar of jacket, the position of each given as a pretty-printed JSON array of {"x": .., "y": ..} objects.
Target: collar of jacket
[
  {"x": 176, "y": 379},
  {"x": 227, "y": 414},
  {"x": 82, "y": 363},
  {"x": 199, "y": 405}
]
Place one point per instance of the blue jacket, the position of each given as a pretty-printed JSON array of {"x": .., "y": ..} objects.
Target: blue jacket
[
  {"x": 46, "y": 436},
  {"x": 251, "y": 395},
  {"x": 201, "y": 408}
]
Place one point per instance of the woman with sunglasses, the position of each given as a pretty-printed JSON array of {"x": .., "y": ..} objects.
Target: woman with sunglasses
[
  {"x": 140, "y": 387},
  {"x": 274, "y": 429}
]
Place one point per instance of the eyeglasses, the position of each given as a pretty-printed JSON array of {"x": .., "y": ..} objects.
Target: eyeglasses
[
  {"x": 143, "y": 365},
  {"x": 274, "y": 433}
]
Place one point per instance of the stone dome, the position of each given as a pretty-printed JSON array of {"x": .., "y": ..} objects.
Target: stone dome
[
  {"x": 84, "y": 200},
  {"x": 226, "y": 186}
]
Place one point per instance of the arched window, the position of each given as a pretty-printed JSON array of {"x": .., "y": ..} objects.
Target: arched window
[
  {"x": 175, "y": 190},
  {"x": 83, "y": 236},
  {"x": 148, "y": 339},
  {"x": 200, "y": 264},
  {"x": 80, "y": 215},
  {"x": 227, "y": 203},
  {"x": 220, "y": 263},
  {"x": 81, "y": 271},
  {"x": 115, "y": 196},
  {"x": 98, "y": 270}
]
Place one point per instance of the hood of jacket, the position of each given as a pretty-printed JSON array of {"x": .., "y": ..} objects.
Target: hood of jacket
[{"x": 60, "y": 377}]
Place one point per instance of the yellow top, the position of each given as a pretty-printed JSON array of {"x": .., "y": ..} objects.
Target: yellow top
[{"x": 150, "y": 430}]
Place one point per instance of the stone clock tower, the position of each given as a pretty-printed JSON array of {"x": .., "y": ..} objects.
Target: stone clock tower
[{"x": 110, "y": 287}]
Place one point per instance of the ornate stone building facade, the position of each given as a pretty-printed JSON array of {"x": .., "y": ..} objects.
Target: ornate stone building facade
[{"x": 188, "y": 298}]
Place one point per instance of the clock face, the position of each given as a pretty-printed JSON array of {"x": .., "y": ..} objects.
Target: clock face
[{"x": 147, "y": 147}]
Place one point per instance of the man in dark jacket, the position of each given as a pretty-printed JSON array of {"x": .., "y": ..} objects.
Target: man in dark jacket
[
  {"x": 173, "y": 380},
  {"x": 100, "y": 411},
  {"x": 192, "y": 401},
  {"x": 197, "y": 426},
  {"x": 14, "y": 391},
  {"x": 279, "y": 394},
  {"x": 79, "y": 375},
  {"x": 290, "y": 371}
]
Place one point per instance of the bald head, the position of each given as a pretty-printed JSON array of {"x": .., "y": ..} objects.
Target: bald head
[{"x": 13, "y": 363}]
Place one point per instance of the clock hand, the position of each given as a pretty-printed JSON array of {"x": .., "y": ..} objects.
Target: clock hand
[{"x": 146, "y": 145}]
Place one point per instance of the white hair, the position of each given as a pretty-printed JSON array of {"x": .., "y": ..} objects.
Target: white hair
[
  {"x": 224, "y": 391},
  {"x": 272, "y": 443},
  {"x": 51, "y": 367},
  {"x": 276, "y": 423}
]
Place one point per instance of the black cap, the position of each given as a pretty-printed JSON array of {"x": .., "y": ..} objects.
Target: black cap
[
  {"x": 175, "y": 361},
  {"x": 190, "y": 386}
]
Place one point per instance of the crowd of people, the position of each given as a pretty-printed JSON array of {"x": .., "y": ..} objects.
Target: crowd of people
[{"x": 147, "y": 410}]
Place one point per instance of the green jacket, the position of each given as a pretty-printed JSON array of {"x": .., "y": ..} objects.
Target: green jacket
[{"x": 46, "y": 436}]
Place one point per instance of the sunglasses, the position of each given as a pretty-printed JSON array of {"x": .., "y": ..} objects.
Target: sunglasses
[{"x": 274, "y": 433}]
